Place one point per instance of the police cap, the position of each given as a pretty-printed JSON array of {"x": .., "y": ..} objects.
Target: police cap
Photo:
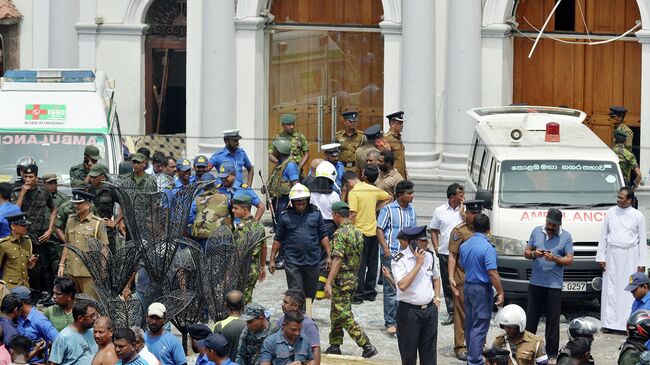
[
  {"x": 215, "y": 342},
  {"x": 288, "y": 119},
  {"x": 232, "y": 134},
  {"x": 414, "y": 233},
  {"x": 351, "y": 116},
  {"x": 398, "y": 116},
  {"x": 208, "y": 177},
  {"x": 331, "y": 149},
  {"x": 617, "y": 111},
  {"x": 373, "y": 131},
  {"x": 226, "y": 168},
  {"x": 31, "y": 169},
  {"x": 198, "y": 331},
  {"x": 19, "y": 219},
  {"x": 79, "y": 196},
  {"x": 183, "y": 164},
  {"x": 200, "y": 161},
  {"x": 475, "y": 206}
]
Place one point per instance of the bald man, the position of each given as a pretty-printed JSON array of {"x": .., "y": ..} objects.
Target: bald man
[
  {"x": 103, "y": 333},
  {"x": 232, "y": 327},
  {"x": 309, "y": 179}
]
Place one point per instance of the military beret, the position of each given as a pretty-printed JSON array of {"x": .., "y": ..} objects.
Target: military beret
[
  {"x": 231, "y": 133},
  {"x": 92, "y": 152},
  {"x": 183, "y": 164},
  {"x": 98, "y": 170},
  {"x": 79, "y": 196},
  {"x": 288, "y": 118},
  {"x": 198, "y": 331},
  {"x": 138, "y": 157},
  {"x": 617, "y": 111},
  {"x": 620, "y": 133},
  {"x": 201, "y": 161},
  {"x": 351, "y": 116},
  {"x": 18, "y": 219},
  {"x": 47, "y": 178},
  {"x": 474, "y": 205},
  {"x": 31, "y": 169},
  {"x": 242, "y": 199},
  {"x": 331, "y": 148},
  {"x": 373, "y": 131},
  {"x": 414, "y": 233},
  {"x": 340, "y": 206},
  {"x": 398, "y": 116}
]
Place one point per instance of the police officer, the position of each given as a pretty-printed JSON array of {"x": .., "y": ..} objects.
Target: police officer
[
  {"x": 104, "y": 202},
  {"x": 299, "y": 147},
  {"x": 626, "y": 159},
  {"x": 350, "y": 139},
  {"x": 233, "y": 153},
  {"x": 371, "y": 133},
  {"x": 581, "y": 327},
  {"x": 201, "y": 166},
  {"x": 230, "y": 186},
  {"x": 332, "y": 154},
  {"x": 184, "y": 175},
  {"x": 417, "y": 278},
  {"x": 79, "y": 228},
  {"x": 617, "y": 115},
  {"x": 525, "y": 348},
  {"x": 285, "y": 174},
  {"x": 458, "y": 236},
  {"x": 347, "y": 245},
  {"x": 479, "y": 260},
  {"x": 16, "y": 252},
  {"x": 394, "y": 139},
  {"x": 78, "y": 173}
]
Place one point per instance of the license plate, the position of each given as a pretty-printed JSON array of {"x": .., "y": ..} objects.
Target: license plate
[{"x": 574, "y": 286}]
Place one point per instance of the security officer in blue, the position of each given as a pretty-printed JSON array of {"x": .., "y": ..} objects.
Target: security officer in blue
[
  {"x": 331, "y": 154},
  {"x": 416, "y": 274},
  {"x": 479, "y": 260},
  {"x": 230, "y": 186},
  {"x": 184, "y": 175},
  {"x": 201, "y": 166},
  {"x": 231, "y": 152}
]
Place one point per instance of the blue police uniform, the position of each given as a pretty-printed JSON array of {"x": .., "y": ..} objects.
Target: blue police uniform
[
  {"x": 238, "y": 189},
  {"x": 477, "y": 256},
  {"x": 239, "y": 159}
]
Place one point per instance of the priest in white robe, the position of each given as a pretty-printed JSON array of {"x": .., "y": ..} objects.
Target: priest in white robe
[{"x": 621, "y": 252}]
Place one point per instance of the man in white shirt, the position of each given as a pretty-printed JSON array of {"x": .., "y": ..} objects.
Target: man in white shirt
[
  {"x": 445, "y": 218},
  {"x": 621, "y": 252},
  {"x": 417, "y": 279},
  {"x": 141, "y": 347}
]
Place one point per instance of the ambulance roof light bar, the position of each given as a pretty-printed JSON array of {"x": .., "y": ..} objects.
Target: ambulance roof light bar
[{"x": 51, "y": 76}]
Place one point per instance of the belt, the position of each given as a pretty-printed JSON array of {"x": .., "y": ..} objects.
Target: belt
[{"x": 416, "y": 306}]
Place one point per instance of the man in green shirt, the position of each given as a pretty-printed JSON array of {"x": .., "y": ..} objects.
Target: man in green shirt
[
  {"x": 63, "y": 295},
  {"x": 138, "y": 175}
]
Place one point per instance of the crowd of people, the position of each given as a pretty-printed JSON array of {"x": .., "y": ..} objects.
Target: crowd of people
[{"x": 339, "y": 229}]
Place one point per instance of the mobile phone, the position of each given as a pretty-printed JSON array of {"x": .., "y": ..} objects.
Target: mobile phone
[{"x": 414, "y": 246}]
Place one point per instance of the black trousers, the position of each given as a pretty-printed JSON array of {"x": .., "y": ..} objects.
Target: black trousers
[
  {"x": 366, "y": 287},
  {"x": 302, "y": 277},
  {"x": 417, "y": 333},
  {"x": 541, "y": 299},
  {"x": 446, "y": 288}
]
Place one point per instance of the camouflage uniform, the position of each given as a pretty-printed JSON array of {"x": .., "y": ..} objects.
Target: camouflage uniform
[
  {"x": 396, "y": 145},
  {"x": 277, "y": 185},
  {"x": 246, "y": 225},
  {"x": 141, "y": 181},
  {"x": 528, "y": 349},
  {"x": 347, "y": 243},
  {"x": 104, "y": 202},
  {"x": 349, "y": 146},
  {"x": 211, "y": 212},
  {"x": 78, "y": 175},
  {"x": 59, "y": 198},
  {"x": 299, "y": 145},
  {"x": 628, "y": 132},
  {"x": 626, "y": 161},
  {"x": 250, "y": 345},
  {"x": 14, "y": 258}
]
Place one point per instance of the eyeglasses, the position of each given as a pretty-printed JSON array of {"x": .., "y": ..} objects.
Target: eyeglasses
[{"x": 92, "y": 316}]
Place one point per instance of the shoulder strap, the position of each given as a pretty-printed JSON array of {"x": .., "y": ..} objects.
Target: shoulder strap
[
  {"x": 96, "y": 228},
  {"x": 512, "y": 357}
]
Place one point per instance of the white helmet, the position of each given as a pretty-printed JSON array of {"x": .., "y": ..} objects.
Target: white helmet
[
  {"x": 512, "y": 315},
  {"x": 299, "y": 191},
  {"x": 326, "y": 169}
]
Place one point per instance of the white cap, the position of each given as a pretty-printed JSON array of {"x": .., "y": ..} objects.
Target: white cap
[
  {"x": 330, "y": 146},
  {"x": 157, "y": 309}
]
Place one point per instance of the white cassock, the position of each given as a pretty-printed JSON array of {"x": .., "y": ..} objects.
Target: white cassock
[{"x": 623, "y": 248}]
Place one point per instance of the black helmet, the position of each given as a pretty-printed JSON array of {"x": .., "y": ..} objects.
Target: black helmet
[
  {"x": 638, "y": 325},
  {"x": 583, "y": 327},
  {"x": 22, "y": 163}
]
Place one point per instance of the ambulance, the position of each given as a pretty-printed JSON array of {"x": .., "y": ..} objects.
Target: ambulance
[
  {"x": 51, "y": 115},
  {"x": 524, "y": 160}
]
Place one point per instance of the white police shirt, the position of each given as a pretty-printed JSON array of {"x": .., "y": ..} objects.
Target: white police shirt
[{"x": 421, "y": 290}]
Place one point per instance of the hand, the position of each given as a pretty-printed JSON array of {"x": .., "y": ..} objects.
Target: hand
[
  {"x": 61, "y": 271},
  {"x": 272, "y": 266},
  {"x": 602, "y": 264},
  {"x": 499, "y": 301},
  {"x": 25, "y": 188},
  {"x": 39, "y": 347},
  {"x": 126, "y": 293},
  {"x": 328, "y": 290},
  {"x": 109, "y": 223},
  {"x": 122, "y": 228},
  {"x": 454, "y": 287},
  {"x": 386, "y": 253},
  {"x": 419, "y": 256},
  {"x": 32, "y": 259},
  {"x": 549, "y": 256},
  {"x": 296, "y": 363},
  {"x": 436, "y": 301},
  {"x": 538, "y": 253},
  {"x": 46, "y": 236},
  {"x": 328, "y": 262},
  {"x": 262, "y": 274},
  {"x": 386, "y": 272}
]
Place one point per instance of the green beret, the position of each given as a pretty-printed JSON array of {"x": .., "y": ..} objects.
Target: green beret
[
  {"x": 340, "y": 206},
  {"x": 288, "y": 118},
  {"x": 620, "y": 133},
  {"x": 242, "y": 199}
]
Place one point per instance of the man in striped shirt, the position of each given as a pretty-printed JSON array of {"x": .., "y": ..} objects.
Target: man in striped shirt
[{"x": 394, "y": 217}]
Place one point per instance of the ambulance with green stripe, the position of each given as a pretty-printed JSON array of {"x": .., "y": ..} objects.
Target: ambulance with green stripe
[{"x": 51, "y": 115}]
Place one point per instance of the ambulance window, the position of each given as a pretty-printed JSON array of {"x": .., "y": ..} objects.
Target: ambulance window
[
  {"x": 471, "y": 161},
  {"x": 479, "y": 154},
  {"x": 481, "y": 169},
  {"x": 493, "y": 174}
]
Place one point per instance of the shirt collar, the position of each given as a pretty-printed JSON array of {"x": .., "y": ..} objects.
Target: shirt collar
[
  {"x": 450, "y": 208},
  {"x": 646, "y": 298}
]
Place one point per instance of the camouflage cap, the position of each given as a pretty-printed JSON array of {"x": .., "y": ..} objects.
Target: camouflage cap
[
  {"x": 98, "y": 170},
  {"x": 251, "y": 312}
]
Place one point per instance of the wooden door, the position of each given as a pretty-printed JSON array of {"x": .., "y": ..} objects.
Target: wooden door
[{"x": 587, "y": 77}]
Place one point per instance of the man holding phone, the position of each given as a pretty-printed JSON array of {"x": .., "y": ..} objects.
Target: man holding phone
[{"x": 417, "y": 278}]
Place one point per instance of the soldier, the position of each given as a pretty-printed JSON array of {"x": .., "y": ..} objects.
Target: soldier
[
  {"x": 299, "y": 147},
  {"x": 41, "y": 211},
  {"x": 527, "y": 348},
  {"x": 209, "y": 210},
  {"x": 617, "y": 114},
  {"x": 461, "y": 233},
  {"x": 394, "y": 139},
  {"x": 79, "y": 228},
  {"x": 372, "y": 133},
  {"x": 626, "y": 159},
  {"x": 332, "y": 155},
  {"x": 50, "y": 183},
  {"x": 201, "y": 167},
  {"x": 138, "y": 175},
  {"x": 230, "y": 187},
  {"x": 104, "y": 202},
  {"x": 78, "y": 173},
  {"x": 350, "y": 139},
  {"x": 241, "y": 209},
  {"x": 347, "y": 245},
  {"x": 16, "y": 252},
  {"x": 231, "y": 152},
  {"x": 258, "y": 328},
  {"x": 388, "y": 175},
  {"x": 285, "y": 174}
]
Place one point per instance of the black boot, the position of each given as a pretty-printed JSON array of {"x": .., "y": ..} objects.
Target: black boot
[
  {"x": 333, "y": 350},
  {"x": 369, "y": 351}
]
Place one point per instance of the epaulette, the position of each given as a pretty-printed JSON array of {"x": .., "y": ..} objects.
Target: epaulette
[
  {"x": 397, "y": 256},
  {"x": 244, "y": 186},
  {"x": 219, "y": 185}
]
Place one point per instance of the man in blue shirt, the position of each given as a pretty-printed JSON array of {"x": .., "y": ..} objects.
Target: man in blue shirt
[
  {"x": 76, "y": 345},
  {"x": 479, "y": 260},
  {"x": 294, "y": 300},
  {"x": 639, "y": 287},
  {"x": 201, "y": 166},
  {"x": 216, "y": 349},
  {"x": 32, "y": 323},
  {"x": 551, "y": 248},
  {"x": 9, "y": 313},
  {"x": 230, "y": 187},
  {"x": 6, "y": 209},
  {"x": 183, "y": 173},
  {"x": 288, "y": 345},
  {"x": 124, "y": 341},
  {"x": 237, "y": 156},
  {"x": 394, "y": 217},
  {"x": 199, "y": 332},
  {"x": 165, "y": 346}
]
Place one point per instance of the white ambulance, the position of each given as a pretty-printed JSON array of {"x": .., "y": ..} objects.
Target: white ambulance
[
  {"x": 51, "y": 115},
  {"x": 524, "y": 160}
]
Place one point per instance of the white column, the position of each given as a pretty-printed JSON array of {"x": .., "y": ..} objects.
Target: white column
[
  {"x": 251, "y": 96},
  {"x": 419, "y": 82},
  {"x": 210, "y": 74},
  {"x": 498, "y": 55},
  {"x": 392, "y": 33},
  {"x": 644, "y": 39},
  {"x": 463, "y": 90},
  {"x": 41, "y": 34},
  {"x": 87, "y": 31}
]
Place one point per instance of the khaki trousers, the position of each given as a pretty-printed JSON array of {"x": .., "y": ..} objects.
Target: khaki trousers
[
  {"x": 459, "y": 320},
  {"x": 84, "y": 284}
]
